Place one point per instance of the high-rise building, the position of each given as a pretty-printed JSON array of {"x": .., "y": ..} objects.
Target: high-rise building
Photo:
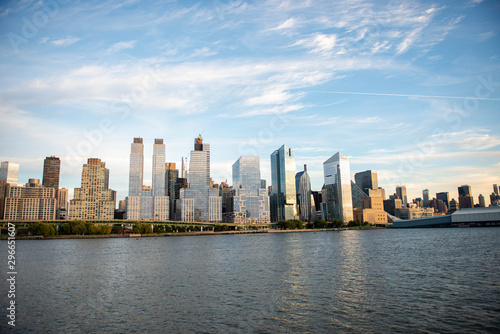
[
  {"x": 454, "y": 206},
  {"x": 248, "y": 201},
  {"x": 283, "y": 198},
  {"x": 31, "y": 202},
  {"x": 465, "y": 199},
  {"x": 146, "y": 202},
  {"x": 9, "y": 172},
  {"x": 200, "y": 202},
  {"x": 93, "y": 200},
  {"x": 495, "y": 190},
  {"x": 4, "y": 193},
  {"x": 51, "y": 171},
  {"x": 62, "y": 203},
  {"x": 445, "y": 197},
  {"x": 425, "y": 196},
  {"x": 304, "y": 198},
  {"x": 481, "y": 200},
  {"x": 366, "y": 180},
  {"x": 136, "y": 171},
  {"x": 338, "y": 199},
  {"x": 159, "y": 168},
  {"x": 401, "y": 192}
]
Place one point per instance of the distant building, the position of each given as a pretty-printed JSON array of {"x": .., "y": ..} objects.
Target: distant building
[
  {"x": 392, "y": 204},
  {"x": 465, "y": 199},
  {"x": 482, "y": 203},
  {"x": 414, "y": 213},
  {"x": 304, "y": 203},
  {"x": 93, "y": 201},
  {"x": 200, "y": 202},
  {"x": 4, "y": 193},
  {"x": 401, "y": 192},
  {"x": 438, "y": 205},
  {"x": 283, "y": 199},
  {"x": 31, "y": 202},
  {"x": 453, "y": 205},
  {"x": 9, "y": 172},
  {"x": 250, "y": 202},
  {"x": 425, "y": 198},
  {"x": 338, "y": 189},
  {"x": 51, "y": 171},
  {"x": 358, "y": 194},
  {"x": 366, "y": 180},
  {"x": 62, "y": 203},
  {"x": 445, "y": 197},
  {"x": 372, "y": 211},
  {"x": 144, "y": 202}
]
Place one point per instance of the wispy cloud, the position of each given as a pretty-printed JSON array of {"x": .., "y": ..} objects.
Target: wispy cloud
[
  {"x": 120, "y": 46},
  {"x": 65, "y": 41}
]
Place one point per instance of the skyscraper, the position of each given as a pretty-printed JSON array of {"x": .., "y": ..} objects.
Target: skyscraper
[
  {"x": 366, "y": 180},
  {"x": 425, "y": 195},
  {"x": 146, "y": 202},
  {"x": 304, "y": 198},
  {"x": 338, "y": 199},
  {"x": 445, "y": 197},
  {"x": 401, "y": 192},
  {"x": 283, "y": 199},
  {"x": 51, "y": 170},
  {"x": 158, "y": 168},
  {"x": 250, "y": 202},
  {"x": 93, "y": 200},
  {"x": 9, "y": 172},
  {"x": 200, "y": 202},
  {"x": 136, "y": 171},
  {"x": 481, "y": 200},
  {"x": 495, "y": 190},
  {"x": 465, "y": 199}
]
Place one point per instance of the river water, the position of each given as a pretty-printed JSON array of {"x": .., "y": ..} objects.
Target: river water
[{"x": 375, "y": 281}]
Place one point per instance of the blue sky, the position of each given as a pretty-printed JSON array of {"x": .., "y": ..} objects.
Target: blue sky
[{"x": 410, "y": 89}]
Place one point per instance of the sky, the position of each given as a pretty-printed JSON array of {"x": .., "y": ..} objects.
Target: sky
[{"x": 410, "y": 89}]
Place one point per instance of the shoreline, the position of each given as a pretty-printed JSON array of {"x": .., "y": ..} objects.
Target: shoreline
[{"x": 153, "y": 235}]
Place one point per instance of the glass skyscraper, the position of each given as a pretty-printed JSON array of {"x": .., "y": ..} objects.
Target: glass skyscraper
[
  {"x": 338, "y": 199},
  {"x": 401, "y": 192},
  {"x": 159, "y": 168},
  {"x": 206, "y": 204},
  {"x": 136, "y": 171},
  {"x": 147, "y": 202},
  {"x": 304, "y": 198},
  {"x": 9, "y": 172},
  {"x": 283, "y": 191},
  {"x": 250, "y": 200}
]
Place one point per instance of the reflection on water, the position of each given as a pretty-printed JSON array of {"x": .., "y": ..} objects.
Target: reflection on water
[{"x": 429, "y": 280}]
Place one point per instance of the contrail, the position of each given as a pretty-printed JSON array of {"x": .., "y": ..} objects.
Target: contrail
[{"x": 411, "y": 95}]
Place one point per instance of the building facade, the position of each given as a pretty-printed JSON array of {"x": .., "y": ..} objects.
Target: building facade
[
  {"x": 206, "y": 204},
  {"x": 304, "y": 196},
  {"x": 144, "y": 202},
  {"x": 338, "y": 192},
  {"x": 9, "y": 172},
  {"x": 283, "y": 199},
  {"x": 366, "y": 180},
  {"x": 249, "y": 202},
  {"x": 51, "y": 172},
  {"x": 93, "y": 201},
  {"x": 31, "y": 202},
  {"x": 401, "y": 192}
]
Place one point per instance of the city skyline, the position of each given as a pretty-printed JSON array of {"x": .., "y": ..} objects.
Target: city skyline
[{"x": 410, "y": 90}]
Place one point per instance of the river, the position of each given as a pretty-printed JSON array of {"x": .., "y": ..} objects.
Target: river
[{"x": 375, "y": 281}]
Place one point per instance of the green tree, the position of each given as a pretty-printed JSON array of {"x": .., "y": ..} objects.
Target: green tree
[
  {"x": 321, "y": 224},
  {"x": 116, "y": 229},
  {"x": 65, "y": 228},
  {"x": 78, "y": 228},
  {"x": 159, "y": 229},
  {"x": 44, "y": 229},
  {"x": 142, "y": 228}
]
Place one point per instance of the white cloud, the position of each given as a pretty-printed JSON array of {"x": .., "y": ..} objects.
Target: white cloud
[
  {"x": 288, "y": 24},
  {"x": 120, "y": 46},
  {"x": 65, "y": 41}
]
